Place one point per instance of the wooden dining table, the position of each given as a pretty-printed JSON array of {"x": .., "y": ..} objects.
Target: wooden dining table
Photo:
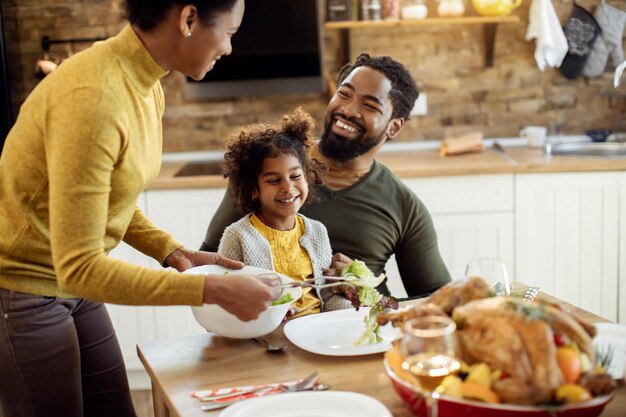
[{"x": 179, "y": 367}]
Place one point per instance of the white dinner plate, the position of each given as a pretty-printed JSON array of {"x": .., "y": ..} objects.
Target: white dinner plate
[
  {"x": 334, "y": 333},
  {"x": 309, "y": 404},
  {"x": 614, "y": 335}
]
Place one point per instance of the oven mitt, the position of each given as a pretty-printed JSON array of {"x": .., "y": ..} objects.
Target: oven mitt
[
  {"x": 612, "y": 22},
  {"x": 581, "y": 32}
]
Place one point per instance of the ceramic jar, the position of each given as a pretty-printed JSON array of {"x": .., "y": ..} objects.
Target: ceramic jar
[
  {"x": 451, "y": 8},
  {"x": 414, "y": 9}
]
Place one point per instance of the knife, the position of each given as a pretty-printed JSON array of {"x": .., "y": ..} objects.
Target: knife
[{"x": 500, "y": 150}]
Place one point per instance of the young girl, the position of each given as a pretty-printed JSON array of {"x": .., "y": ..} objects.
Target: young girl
[{"x": 269, "y": 173}]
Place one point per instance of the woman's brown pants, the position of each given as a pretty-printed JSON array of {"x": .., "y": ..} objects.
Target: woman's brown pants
[{"x": 59, "y": 358}]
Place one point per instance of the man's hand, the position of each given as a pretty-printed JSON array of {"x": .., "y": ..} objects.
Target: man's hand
[
  {"x": 338, "y": 262},
  {"x": 182, "y": 259}
]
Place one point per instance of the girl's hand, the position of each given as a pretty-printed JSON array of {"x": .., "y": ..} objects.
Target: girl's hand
[
  {"x": 338, "y": 262},
  {"x": 182, "y": 259}
]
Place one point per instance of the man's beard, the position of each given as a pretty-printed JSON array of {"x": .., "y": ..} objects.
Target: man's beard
[{"x": 340, "y": 149}]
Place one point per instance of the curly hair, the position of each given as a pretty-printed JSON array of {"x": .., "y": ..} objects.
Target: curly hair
[
  {"x": 148, "y": 14},
  {"x": 403, "y": 92},
  {"x": 249, "y": 146}
]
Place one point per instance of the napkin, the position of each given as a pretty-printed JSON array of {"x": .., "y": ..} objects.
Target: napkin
[
  {"x": 612, "y": 334},
  {"x": 544, "y": 26},
  {"x": 470, "y": 142},
  {"x": 245, "y": 391}
]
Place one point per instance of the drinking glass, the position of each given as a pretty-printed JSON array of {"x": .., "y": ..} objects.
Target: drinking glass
[
  {"x": 493, "y": 271},
  {"x": 428, "y": 346}
]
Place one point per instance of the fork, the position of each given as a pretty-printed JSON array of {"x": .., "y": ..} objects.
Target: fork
[{"x": 306, "y": 384}]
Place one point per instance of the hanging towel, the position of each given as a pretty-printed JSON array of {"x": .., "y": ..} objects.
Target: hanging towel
[
  {"x": 544, "y": 26},
  {"x": 612, "y": 22},
  {"x": 581, "y": 32}
]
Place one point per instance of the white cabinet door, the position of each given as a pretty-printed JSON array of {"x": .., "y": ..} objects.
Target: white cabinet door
[
  {"x": 185, "y": 214},
  {"x": 622, "y": 249},
  {"x": 479, "y": 235},
  {"x": 133, "y": 324},
  {"x": 473, "y": 217},
  {"x": 566, "y": 229}
]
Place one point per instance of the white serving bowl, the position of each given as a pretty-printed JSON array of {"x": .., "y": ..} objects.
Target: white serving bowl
[{"x": 219, "y": 321}]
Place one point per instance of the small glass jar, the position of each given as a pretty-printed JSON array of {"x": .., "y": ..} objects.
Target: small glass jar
[
  {"x": 451, "y": 8},
  {"x": 414, "y": 9},
  {"x": 371, "y": 10}
]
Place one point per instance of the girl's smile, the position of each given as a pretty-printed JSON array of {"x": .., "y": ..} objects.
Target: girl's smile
[{"x": 282, "y": 188}]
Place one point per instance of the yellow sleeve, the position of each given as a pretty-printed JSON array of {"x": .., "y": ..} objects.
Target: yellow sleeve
[
  {"x": 85, "y": 138},
  {"x": 148, "y": 239}
]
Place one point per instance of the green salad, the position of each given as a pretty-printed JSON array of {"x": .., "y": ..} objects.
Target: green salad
[
  {"x": 283, "y": 299},
  {"x": 362, "y": 293}
]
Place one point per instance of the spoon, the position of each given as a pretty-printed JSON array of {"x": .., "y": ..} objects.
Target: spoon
[{"x": 268, "y": 346}]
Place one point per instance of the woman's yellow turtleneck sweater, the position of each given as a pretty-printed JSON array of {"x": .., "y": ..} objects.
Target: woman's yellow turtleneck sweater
[{"x": 86, "y": 143}]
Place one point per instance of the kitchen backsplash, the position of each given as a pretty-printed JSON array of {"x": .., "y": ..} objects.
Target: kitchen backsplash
[{"x": 447, "y": 62}]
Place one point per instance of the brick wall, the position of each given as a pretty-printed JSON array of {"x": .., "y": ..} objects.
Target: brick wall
[{"x": 447, "y": 62}]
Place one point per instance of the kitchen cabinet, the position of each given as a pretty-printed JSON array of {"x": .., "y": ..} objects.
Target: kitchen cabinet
[
  {"x": 490, "y": 25},
  {"x": 567, "y": 230},
  {"x": 185, "y": 214},
  {"x": 473, "y": 216},
  {"x": 133, "y": 324},
  {"x": 621, "y": 250},
  {"x": 563, "y": 232}
]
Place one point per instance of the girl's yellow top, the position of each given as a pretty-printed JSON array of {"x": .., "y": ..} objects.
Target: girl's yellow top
[{"x": 291, "y": 259}]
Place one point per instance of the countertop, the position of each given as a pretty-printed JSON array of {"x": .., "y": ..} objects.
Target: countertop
[{"x": 418, "y": 160}]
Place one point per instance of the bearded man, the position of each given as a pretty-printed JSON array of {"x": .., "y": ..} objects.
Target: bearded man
[{"x": 369, "y": 213}]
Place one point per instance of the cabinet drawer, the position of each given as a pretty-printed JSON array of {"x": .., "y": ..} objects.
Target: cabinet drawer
[{"x": 464, "y": 194}]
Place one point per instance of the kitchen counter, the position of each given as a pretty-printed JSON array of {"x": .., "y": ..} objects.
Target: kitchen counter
[{"x": 423, "y": 160}]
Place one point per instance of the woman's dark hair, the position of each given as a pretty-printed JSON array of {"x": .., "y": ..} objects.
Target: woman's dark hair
[
  {"x": 249, "y": 146},
  {"x": 403, "y": 92},
  {"x": 147, "y": 14}
]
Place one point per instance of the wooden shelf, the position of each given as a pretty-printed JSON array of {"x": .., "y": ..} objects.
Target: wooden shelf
[
  {"x": 461, "y": 20},
  {"x": 490, "y": 24}
]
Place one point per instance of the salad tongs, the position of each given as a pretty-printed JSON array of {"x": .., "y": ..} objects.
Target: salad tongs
[{"x": 311, "y": 282}]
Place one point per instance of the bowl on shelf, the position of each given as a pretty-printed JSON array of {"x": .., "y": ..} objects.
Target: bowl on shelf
[
  {"x": 495, "y": 7},
  {"x": 219, "y": 321},
  {"x": 454, "y": 407}
]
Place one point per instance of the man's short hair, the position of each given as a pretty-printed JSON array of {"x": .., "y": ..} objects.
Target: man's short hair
[{"x": 403, "y": 92}]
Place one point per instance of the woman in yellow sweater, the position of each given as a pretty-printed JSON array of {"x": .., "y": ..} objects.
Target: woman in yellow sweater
[{"x": 86, "y": 143}]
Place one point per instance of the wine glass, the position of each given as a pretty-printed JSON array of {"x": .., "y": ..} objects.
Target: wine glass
[
  {"x": 428, "y": 346},
  {"x": 493, "y": 271}
]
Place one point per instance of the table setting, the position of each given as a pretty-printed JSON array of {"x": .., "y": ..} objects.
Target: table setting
[{"x": 320, "y": 371}]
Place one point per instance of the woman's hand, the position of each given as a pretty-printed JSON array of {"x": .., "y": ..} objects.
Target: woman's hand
[
  {"x": 182, "y": 259},
  {"x": 338, "y": 262},
  {"x": 245, "y": 296}
]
